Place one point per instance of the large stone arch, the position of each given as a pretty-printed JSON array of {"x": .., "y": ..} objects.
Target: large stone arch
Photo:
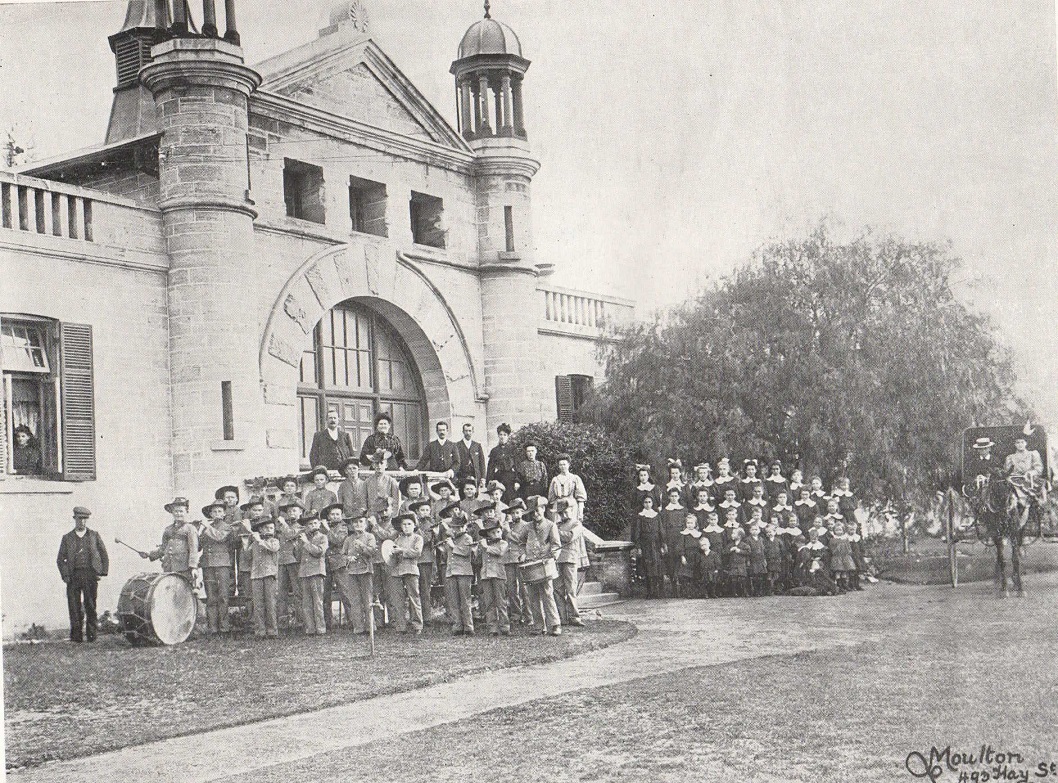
[{"x": 397, "y": 290}]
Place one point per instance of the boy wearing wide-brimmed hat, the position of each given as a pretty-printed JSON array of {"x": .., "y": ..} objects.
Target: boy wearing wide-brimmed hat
[
  {"x": 412, "y": 488},
  {"x": 288, "y": 585},
  {"x": 515, "y": 531},
  {"x": 311, "y": 552},
  {"x": 429, "y": 531},
  {"x": 459, "y": 576},
  {"x": 352, "y": 492},
  {"x": 542, "y": 544},
  {"x": 319, "y": 497},
  {"x": 359, "y": 549},
  {"x": 406, "y": 606},
  {"x": 264, "y": 557},
  {"x": 332, "y": 522},
  {"x": 179, "y": 548},
  {"x": 381, "y": 489},
  {"x": 215, "y": 539},
  {"x": 253, "y": 511},
  {"x": 571, "y": 535},
  {"x": 494, "y": 578}
]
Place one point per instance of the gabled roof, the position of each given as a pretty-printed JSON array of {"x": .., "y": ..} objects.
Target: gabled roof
[{"x": 347, "y": 73}]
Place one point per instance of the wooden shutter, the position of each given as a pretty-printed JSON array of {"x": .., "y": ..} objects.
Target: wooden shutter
[
  {"x": 78, "y": 405},
  {"x": 564, "y": 397}
]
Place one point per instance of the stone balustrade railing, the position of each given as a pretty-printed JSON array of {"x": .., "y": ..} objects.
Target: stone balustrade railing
[
  {"x": 570, "y": 311},
  {"x": 34, "y": 211}
]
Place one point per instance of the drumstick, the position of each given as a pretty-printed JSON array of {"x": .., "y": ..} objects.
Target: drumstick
[{"x": 134, "y": 549}]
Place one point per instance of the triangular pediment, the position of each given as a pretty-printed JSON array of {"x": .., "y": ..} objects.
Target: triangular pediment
[{"x": 353, "y": 78}]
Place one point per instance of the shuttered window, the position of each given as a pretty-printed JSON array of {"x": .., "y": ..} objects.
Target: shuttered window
[
  {"x": 47, "y": 410},
  {"x": 571, "y": 392}
]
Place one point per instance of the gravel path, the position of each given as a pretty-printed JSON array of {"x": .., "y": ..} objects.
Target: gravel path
[{"x": 673, "y": 635}]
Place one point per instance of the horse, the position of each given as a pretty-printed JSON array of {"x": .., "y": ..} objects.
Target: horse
[{"x": 1005, "y": 514}]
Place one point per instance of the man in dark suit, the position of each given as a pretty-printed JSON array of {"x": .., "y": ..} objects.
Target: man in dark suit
[
  {"x": 82, "y": 561},
  {"x": 440, "y": 456},
  {"x": 332, "y": 446},
  {"x": 471, "y": 456}
]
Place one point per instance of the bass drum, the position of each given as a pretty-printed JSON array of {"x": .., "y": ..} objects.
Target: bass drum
[{"x": 157, "y": 609}]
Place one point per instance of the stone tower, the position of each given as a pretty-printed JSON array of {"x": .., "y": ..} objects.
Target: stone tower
[
  {"x": 489, "y": 71},
  {"x": 200, "y": 86}
]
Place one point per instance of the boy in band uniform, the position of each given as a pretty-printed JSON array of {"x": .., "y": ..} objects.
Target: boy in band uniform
[
  {"x": 264, "y": 557},
  {"x": 288, "y": 530},
  {"x": 334, "y": 527},
  {"x": 515, "y": 530},
  {"x": 407, "y": 548},
  {"x": 352, "y": 492},
  {"x": 215, "y": 540},
  {"x": 411, "y": 489},
  {"x": 494, "y": 577},
  {"x": 253, "y": 511},
  {"x": 319, "y": 497},
  {"x": 429, "y": 531},
  {"x": 460, "y": 571},
  {"x": 571, "y": 535},
  {"x": 542, "y": 543},
  {"x": 312, "y": 556},
  {"x": 359, "y": 549},
  {"x": 178, "y": 551},
  {"x": 384, "y": 530}
]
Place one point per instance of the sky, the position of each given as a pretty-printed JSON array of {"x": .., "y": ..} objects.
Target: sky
[{"x": 676, "y": 138}]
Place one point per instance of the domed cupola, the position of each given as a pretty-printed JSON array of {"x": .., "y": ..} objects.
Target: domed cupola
[{"x": 489, "y": 70}]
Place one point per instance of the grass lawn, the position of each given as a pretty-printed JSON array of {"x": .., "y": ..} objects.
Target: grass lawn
[
  {"x": 64, "y": 700},
  {"x": 937, "y": 667},
  {"x": 927, "y": 563}
]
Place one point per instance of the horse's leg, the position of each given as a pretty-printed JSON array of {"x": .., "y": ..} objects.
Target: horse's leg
[
  {"x": 1001, "y": 571},
  {"x": 1015, "y": 560}
]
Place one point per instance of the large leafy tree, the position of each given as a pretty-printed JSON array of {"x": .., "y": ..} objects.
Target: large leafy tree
[{"x": 843, "y": 358}]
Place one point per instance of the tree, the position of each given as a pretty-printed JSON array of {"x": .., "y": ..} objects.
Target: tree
[
  {"x": 605, "y": 464},
  {"x": 851, "y": 358}
]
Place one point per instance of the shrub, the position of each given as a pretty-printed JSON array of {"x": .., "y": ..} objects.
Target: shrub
[{"x": 604, "y": 462}]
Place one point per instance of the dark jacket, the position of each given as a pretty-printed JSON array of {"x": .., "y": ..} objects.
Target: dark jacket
[
  {"x": 439, "y": 457},
  {"x": 100, "y": 560},
  {"x": 390, "y": 443},
  {"x": 328, "y": 452},
  {"x": 501, "y": 468},
  {"x": 471, "y": 461}
]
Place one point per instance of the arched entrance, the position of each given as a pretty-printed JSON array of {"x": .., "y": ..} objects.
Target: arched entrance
[{"x": 359, "y": 365}]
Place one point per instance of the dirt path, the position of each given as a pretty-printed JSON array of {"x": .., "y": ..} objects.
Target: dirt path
[{"x": 672, "y": 635}]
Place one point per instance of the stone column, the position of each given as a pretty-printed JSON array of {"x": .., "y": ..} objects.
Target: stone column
[
  {"x": 200, "y": 87},
  {"x": 483, "y": 98},
  {"x": 464, "y": 108},
  {"x": 519, "y": 119},
  {"x": 505, "y": 86}
]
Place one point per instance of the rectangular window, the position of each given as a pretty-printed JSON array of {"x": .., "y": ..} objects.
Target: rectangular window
[
  {"x": 367, "y": 207},
  {"x": 426, "y": 220},
  {"x": 508, "y": 225},
  {"x": 48, "y": 406},
  {"x": 571, "y": 392},
  {"x": 303, "y": 190}
]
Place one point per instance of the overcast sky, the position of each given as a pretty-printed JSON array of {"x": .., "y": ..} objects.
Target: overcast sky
[{"x": 677, "y": 137}]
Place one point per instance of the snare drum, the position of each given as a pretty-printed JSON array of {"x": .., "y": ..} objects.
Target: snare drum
[
  {"x": 157, "y": 609},
  {"x": 533, "y": 571}
]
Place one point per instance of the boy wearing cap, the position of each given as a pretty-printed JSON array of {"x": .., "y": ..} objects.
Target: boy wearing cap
[
  {"x": 288, "y": 585},
  {"x": 359, "y": 549},
  {"x": 494, "y": 577},
  {"x": 542, "y": 543},
  {"x": 179, "y": 548},
  {"x": 407, "y": 548},
  {"x": 571, "y": 536},
  {"x": 215, "y": 538},
  {"x": 352, "y": 492},
  {"x": 82, "y": 562},
  {"x": 460, "y": 571},
  {"x": 312, "y": 554},
  {"x": 264, "y": 557},
  {"x": 319, "y": 497},
  {"x": 515, "y": 530}
]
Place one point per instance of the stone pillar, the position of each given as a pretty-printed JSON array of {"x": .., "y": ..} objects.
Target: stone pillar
[
  {"x": 209, "y": 18},
  {"x": 519, "y": 119},
  {"x": 200, "y": 87},
  {"x": 464, "y": 109},
  {"x": 483, "y": 98},
  {"x": 505, "y": 86}
]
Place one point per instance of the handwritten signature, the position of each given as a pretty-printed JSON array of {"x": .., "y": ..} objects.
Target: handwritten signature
[{"x": 987, "y": 764}]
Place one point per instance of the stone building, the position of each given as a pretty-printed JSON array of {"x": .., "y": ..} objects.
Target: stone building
[{"x": 252, "y": 247}]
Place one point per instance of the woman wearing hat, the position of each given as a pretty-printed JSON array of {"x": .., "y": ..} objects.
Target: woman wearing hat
[{"x": 382, "y": 440}]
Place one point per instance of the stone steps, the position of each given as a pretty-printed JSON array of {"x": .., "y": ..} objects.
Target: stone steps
[{"x": 591, "y": 596}]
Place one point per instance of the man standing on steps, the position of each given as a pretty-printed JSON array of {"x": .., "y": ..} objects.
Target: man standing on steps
[
  {"x": 440, "y": 456},
  {"x": 332, "y": 446},
  {"x": 82, "y": 562},
  {"x": 471, "y": 456}
]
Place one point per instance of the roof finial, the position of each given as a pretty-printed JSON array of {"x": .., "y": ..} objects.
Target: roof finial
[{"x": 487, "y": 7}]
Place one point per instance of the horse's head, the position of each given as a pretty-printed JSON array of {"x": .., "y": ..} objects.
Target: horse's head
[{"x": 999, "y": 496}]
